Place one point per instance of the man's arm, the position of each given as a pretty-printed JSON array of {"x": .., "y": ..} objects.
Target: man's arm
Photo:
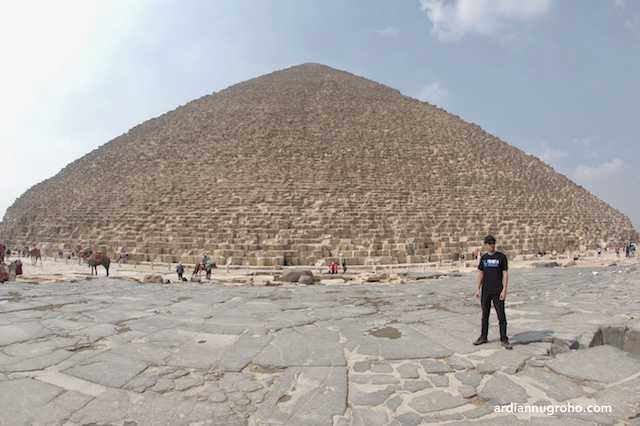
[
  {"x": 479, "y": 282},
  {"x": 505, "y": 285}
]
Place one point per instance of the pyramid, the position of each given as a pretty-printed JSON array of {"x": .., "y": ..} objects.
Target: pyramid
[{"x": 304, "y": 164}]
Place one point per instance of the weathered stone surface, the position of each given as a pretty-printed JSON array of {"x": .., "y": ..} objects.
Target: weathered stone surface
[
  {"x": 439, "y": 380},
  {"x": 436, "y": 401},
  {"x": 508, "y": 361},
  {"x": 408, "y": 371},
  {"x": 435, "y": 366},
  {"x": 601, "y": 364},
  {"x": 467, "y": 391},
  {"x": 501, "y": 390},
  {"x": 555, "y": 386},
  {"x": 114, "y": 351},
  {"x": 471, "y": 378},
  {"x": 308, "y": 346},
  {"x": 360, "y": 397},
  {"x": 21, "y": 398},
  {"x": 108, "y": 369},
  {"x": 416, "y": 385}
]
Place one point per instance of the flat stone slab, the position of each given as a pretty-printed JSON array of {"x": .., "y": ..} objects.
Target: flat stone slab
[
  {"x": 108, "y": 369},
  {"x": 600, "y": 364},
  {"x": 436, "y": 401},
  {"x": 500, "y": 390}
]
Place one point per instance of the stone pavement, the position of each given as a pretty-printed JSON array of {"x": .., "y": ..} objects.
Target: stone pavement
[{"x": 111, "y": 351}]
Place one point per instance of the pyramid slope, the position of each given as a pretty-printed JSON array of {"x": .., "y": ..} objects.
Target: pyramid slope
[{"x": 307, "y": 163}]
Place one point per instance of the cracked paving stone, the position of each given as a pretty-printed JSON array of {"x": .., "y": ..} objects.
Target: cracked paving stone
[
  {"x": 471, "y": 378},
  {"x": 436, "y": 401},
  {"x": 375, "y": 379},
  {"x": 508, "y": 361},
  {"x": 555, "y": 386},
  {"x": 500, "y": 390},
  {"x": 459, "y": 363},
  {"x": 21, "y": 399},
  {"x": 416, "y": 385},
  {"x": 467, "y": 391},
  {"x": 435, "y": 366},
  {"x": 439, "y": 380},
  {"x": 367, "y": 417},
  {"x": 394, "y": 403},
  {"x": 604, "y": 364},
  {"x": 307, "y": 346},
  {"x": 361, "y": 366},
  {"x": 107, "y": 369},
  {"x": 408, "y": 371},
  {"x": 371, "y": 399}
]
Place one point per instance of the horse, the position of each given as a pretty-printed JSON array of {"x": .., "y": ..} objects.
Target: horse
[
  {"x": 35, "y": 256},
  {"x": 96, "y": 260}
]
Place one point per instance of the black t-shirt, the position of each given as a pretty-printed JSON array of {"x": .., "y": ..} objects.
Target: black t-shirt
[{"x": 492, "y": 265}]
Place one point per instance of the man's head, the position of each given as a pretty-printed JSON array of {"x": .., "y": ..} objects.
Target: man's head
[{"x": 490, "y": 243}]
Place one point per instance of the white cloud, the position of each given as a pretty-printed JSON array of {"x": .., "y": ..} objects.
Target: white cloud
[
  {"x": 620, "y": 4},
  {"x": 587, "y": 174},
  {"x": 585, "y": 141},
  {"x": 552, "y": 155},
  {"x": 434, "y": 93},
  {"x": 388, "y": 32},
  {"x": 454, "y": 19}
]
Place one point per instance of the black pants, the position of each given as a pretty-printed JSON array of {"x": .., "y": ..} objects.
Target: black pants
[{"x": 498, "y": 304}]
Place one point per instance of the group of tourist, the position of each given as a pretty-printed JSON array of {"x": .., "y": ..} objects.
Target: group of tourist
[
  {"x": 206, "y": 264},
  {"x": 333, "y": 267}
]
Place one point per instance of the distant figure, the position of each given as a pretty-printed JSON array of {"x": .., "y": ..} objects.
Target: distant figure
[
  {"x": 35, "y": 256},
  {"x": 344, "y": 266},
  {"x": 18, "y": 263},
  {"x": 208, "y": 268},
  {"x": 617, "y": 251},
  {"x": 3, "y": 250},
  {"x": 333, "y": 268},
  {"x": 180, "y": 270},
  {"x": 491, "y": 287},
  {"x": 599, "y": 252},
  {"x": 205, "y": 259},
  {"x": 626, "y": 250}
]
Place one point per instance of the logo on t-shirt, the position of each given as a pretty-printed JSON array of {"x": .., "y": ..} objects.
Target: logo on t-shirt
[{"x": 491, "y": 263}]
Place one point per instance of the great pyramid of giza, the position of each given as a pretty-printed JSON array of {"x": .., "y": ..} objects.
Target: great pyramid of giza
[{"x": 303, "y": 164}]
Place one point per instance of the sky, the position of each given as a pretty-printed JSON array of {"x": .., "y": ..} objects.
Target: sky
[{"x": 558, "y": 79}]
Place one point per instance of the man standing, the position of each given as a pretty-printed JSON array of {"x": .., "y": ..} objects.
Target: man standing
[
  {"x": 180, "y": 271},
  {"x": 491, "y": 287}
]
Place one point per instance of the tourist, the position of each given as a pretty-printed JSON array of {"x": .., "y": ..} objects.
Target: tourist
[
  {"x": 491, "y": 287},
  {"x": 208, "y": 268},
  {"x": 180, "y": 271},
  {"x": 344, "y": 266},
  {"x": 599, "y": 252},
  {"x": 205, "y": 259}
]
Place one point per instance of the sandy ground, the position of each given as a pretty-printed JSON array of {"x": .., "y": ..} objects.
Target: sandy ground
[{"x": 61, "y": 270}]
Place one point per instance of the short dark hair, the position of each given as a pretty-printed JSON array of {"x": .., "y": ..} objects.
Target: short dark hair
[{"x": 489, "y": 239}]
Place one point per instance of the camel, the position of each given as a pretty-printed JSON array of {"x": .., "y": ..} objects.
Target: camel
[
  {"x": 96, "y": 260},
  {"x": 35, "y": 256}
]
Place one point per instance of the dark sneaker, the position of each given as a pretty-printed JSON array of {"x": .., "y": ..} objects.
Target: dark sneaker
[
  {"x": 507, "y": 345},
  {"x": 480, "y": 341}
]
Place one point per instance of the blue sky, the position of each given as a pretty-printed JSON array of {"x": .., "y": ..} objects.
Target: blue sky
[{"x": 558, "y": 79}]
